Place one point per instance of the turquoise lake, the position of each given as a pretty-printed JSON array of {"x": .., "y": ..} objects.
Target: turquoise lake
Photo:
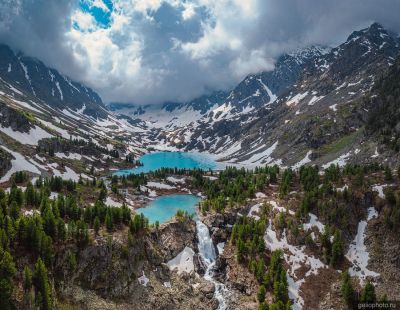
[
  {"x": 164, "y": 208},
  {"x": 182, "y": 160}
]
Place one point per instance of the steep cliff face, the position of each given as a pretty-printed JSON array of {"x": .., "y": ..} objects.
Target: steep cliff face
[
  {"x": 111, "y": 274},
  {"x": 14, "y": 119},
  {"x": 384, "y": 119},
  {"x": 5, "y": 162}
]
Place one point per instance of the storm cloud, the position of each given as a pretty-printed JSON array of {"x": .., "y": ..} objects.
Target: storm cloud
[{"x": 152, "y": 51}]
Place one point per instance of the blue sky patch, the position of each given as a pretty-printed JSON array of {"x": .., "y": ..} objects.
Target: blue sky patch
[{"x": 101, "y": 15}]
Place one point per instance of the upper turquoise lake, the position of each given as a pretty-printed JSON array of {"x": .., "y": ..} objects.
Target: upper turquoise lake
[
  {"x": 164, "y": 208},
  {"x": 181, "y": 160}
]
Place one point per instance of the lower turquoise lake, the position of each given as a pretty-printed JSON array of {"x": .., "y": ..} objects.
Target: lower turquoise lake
[
  {"x": 164, "y": 208},
  {"x": 181, "y": 160}
]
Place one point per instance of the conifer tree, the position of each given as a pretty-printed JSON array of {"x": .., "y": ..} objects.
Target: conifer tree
[
  {"x": 388, "y": 174},
  {"x": 7, "y": 272},
  {"x": 263, "y": 306},
  {"x": 29, "y": 195},
  {"x": 368, "y": 294},
  {"x": 27, "y": 285},
  {"x": 347, "y": 289},
  {"x": 109, "y": 222},
  {"x": 337, "y": 249},
  {"x": 261, "y": 294},
  {"x": 42, "y": 286},
  {"x": 96, "y": 225},
  {"x": 27, "y": 279}
]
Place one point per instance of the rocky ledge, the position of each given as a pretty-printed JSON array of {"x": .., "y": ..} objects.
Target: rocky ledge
[{"x": 110, "y": 274}]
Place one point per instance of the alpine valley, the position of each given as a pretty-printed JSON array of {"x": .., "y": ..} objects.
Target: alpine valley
[{"x": 284, "y": 191}]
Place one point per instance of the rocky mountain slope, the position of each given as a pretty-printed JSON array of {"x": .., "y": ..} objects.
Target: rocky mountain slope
[
  {"x": 317, "y": 115},
  {"x": 30, "y": 76},
  {"x": 51, "y": 125},
  {"x": 250, "y": 94},
  {"x": 171, "y": 114}
]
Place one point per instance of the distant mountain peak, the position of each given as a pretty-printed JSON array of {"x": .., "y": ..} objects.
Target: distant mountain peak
[
  {"x": 375, "y": 33},
  {"x": 308, "y": 52},
  {"x": 33, "y": 79}
]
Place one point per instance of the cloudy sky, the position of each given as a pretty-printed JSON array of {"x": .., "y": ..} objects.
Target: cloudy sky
[{"x": 151, "y": 51}]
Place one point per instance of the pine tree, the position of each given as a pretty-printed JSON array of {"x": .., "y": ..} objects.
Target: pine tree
[
  {"x": 42, "y": 286},
  {"x": 49, "y": 224},
  {"x": 46, "y": 248},
  {"x": 14, "y": 210},
  {"x": 96, "y": 225},
  {"x": 347, "y": 289},
  {"x": 388, "y": 174},
  {"x": 261, "y": 293},
  {"x": 27, "y": 285},
  {"x": 27, "y": 279},
  {"x": 326, "y": 243},
  {"x": 72, "y": 261},
  {"x": 109, "y": 222},
  {"x": 30, "y": 195},
  {"x": 263, "y": 306},
  {"x": 234, "y": 234},
  {"x": 277, "y": 306},
  {"x": 6, "y": 289},
  {"x": 337, "y": 249},
  {"x": 7, "y": 272},
  {"x": 368, "y": 294}
]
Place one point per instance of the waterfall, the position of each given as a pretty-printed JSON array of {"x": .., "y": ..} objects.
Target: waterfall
[{"x": 209, "y": 258}]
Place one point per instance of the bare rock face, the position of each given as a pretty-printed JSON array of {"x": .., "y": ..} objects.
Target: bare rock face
[
  {"x": 384, "y": 249},
  {"x": 207, "y": 288},
  {"x": 171, "y": 238},
  {"x": 110, "y": 274},
  {"x": 5, "y": 162},
  {"x": 14, "y": 119}
]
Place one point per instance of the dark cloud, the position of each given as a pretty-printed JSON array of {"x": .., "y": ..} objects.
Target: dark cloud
[
  {"x": 169, "y": 51},
  {"x": 37, "y": 28}
]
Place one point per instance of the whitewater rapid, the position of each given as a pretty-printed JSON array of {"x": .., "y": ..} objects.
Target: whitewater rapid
[{"x": 209, "y": 258}]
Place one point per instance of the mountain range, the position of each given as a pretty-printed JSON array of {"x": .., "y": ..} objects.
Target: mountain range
[
  {"x": 311, "y": 109},
  {"x": 311, "y": 223}
]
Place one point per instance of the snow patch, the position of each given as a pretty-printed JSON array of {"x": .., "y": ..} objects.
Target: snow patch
[
  {"x": 314, "y": 223},
  {"x": 183, "y": 262},
  {"x": 176, "y": 180},
  {"x": 220, "y": 247},
  {"x": 260, "y": 195},
  {"x": 272, "y": 97},
  {"x": 315, "y": 99},
  {"x": 340, "y": 161},
  {"x": 275, "y": 206},
  {"x": 112, "y": 203},
  {"x": 32, "y": 137},
  {"x": 295, "y": 257},
  {"x": 59, "y": 90},
  {"x": 379, "y": 189},
  {"x": 333, "y": 107},
  {"x": 254, "y": 211},
  {"x": 20, "y": 163},
  {"x": 358, "y": 254},
  {"x": 262, "y": 157},
  {"x": 304, "y": 161},
  {"x": 75, "y": 156},
  {"x": 296, "y": 99},
  {"x": 143, "y": 280},
  {"x": 159, "y": 185}
]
